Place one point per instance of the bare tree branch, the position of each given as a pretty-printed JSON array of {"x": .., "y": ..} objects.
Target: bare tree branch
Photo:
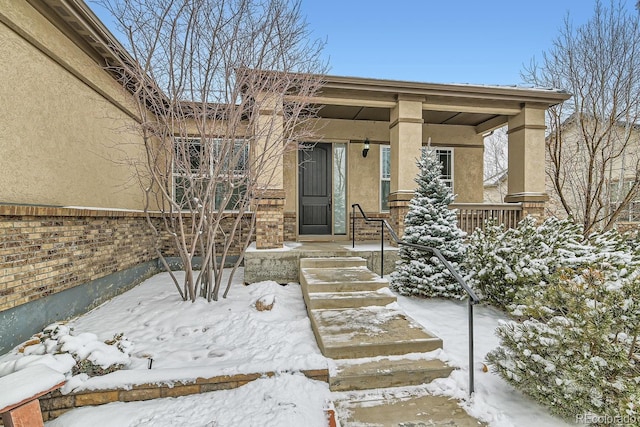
[
  {"x": 223, "y": 90},
  {"x": 592, "y": 145}
]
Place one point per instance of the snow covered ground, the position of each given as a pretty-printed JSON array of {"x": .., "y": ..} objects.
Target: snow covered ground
[
  {"x": 494, "y": 401},
  {"x": 187, "y": 340}
]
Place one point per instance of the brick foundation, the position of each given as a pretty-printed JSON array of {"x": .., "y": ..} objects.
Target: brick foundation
[
  {"x": 369, "y": 230},
  {"x": 290, "y": 233},
  {"x": 534, "y": 209},
  {"x": 45, "y": 250},
  {"x": 398, "y": 208}
]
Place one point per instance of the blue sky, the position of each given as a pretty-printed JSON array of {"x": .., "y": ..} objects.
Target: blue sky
[{"x": 438, "y": 41}]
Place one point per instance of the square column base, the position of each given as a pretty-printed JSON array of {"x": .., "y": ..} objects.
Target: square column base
[
  {"x": 270, "y": 220},
  {"x": 533, "y": 204},
  {"x": 398, "y": 209}
]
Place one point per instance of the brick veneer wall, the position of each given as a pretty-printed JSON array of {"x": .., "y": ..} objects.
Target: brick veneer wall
[
  {"x": 45, "y": 250},
  {"x": 270, "y": 220},
  {"x": 290, "y": 234},
  {"x": 168, "y": 247},
  {"x": 369, "y": 230}
]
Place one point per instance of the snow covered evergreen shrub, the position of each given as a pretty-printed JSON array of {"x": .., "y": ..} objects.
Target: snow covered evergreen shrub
[
  {"x": 499, "y": 262},
  {"x": 429, "y": 222},
  {"x": 576, "y": 351}
]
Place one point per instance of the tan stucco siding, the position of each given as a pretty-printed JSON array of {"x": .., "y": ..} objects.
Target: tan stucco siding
[
  {"x": 468, "y": 151},
  {"x": 64, "y": 132},
  {"x": 364, "y": 173},
  {"x": 291, "y": 181},
  {"x": 328, "y": 130},
  {"x": 364, "y": 177},
  {"x": 467, "y": 181}
]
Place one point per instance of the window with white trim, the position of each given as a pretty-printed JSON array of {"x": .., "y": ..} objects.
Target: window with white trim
[
  {"x": 385, "y": 177},
  {"x": 195, "y": 163},
  {"x": 445, "y": 155}
]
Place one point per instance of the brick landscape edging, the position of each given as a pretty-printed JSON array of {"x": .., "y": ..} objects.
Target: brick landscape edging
[{"x": 55, "y": 403}]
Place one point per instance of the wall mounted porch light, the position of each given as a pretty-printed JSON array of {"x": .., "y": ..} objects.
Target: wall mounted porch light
[{"x": 365, "y": 148}]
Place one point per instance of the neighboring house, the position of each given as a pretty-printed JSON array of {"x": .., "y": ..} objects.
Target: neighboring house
[
  {"x": 616, "y": 167},
  {"x": 619, "y": 175},
  {"x": 495, "y": 188},
  {"x": 71, "y": 227}
]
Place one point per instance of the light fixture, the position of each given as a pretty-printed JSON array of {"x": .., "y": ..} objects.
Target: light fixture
[{"x": 365, "y": 148}]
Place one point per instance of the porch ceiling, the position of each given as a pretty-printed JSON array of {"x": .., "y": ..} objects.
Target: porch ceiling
[
  {"x": 485, "y": 107},
  {"x": 347, "y": 112}
]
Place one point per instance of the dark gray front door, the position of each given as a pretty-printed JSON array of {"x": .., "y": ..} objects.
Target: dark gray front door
[{"x": 315, "y": 190}]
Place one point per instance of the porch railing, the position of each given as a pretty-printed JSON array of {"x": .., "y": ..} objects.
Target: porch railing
[
  {"x": 473, "y": 298},
  {"x": 474, "y": 215}
]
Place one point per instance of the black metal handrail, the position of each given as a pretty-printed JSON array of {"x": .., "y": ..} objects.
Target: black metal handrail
[{"x": 473, "y": 298}]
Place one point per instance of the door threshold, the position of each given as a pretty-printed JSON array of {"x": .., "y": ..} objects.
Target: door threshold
[{"x": 321, "y": 238}]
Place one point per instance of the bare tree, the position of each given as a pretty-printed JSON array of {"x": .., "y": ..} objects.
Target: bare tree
[
  {"x": 222, "y": 88},
  {"x": 495, "y": 164},
  {"x": 592, "y": 145},
  {"x": 495, "y": 152}
]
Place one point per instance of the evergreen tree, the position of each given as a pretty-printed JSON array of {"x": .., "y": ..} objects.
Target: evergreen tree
[{"x": 429, "y": 222}]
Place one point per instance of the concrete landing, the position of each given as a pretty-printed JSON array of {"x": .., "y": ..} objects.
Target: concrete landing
[
  {"x": 282, "y": 265},
  {"x": 420, "y": 411}
]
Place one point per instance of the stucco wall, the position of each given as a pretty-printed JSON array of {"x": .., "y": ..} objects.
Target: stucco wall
[
  {"x": 291, "y": 180},
  {"x": 364, "y": 177},
  {"x": 64, "y": 138},
  {"x": 468, "y": 158}
]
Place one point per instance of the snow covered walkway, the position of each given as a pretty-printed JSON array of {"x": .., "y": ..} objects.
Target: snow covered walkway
[{"x": 374, "y": 345}]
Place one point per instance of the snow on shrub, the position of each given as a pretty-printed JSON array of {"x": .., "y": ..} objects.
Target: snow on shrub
[
  {"x": 576, "y": 349},
  {"x": 503, "y": 263},
  {"x": 429, "y": 222},
  {"x": 92, "y": 356}
]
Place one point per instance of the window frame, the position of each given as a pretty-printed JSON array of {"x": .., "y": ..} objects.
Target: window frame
[
  {"x": 450, "y": 182},
  {"x": 176, "y": 175},
  {"x": 384, "y": 148},
  {"x": 632, "y": 212}
]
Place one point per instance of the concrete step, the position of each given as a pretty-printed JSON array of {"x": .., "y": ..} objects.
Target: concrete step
[
  {"x": 340, "y": 279},
  {"x": 423, "y": 410},
  {"x": 363, "y": 374},
  {"x": 323, "y": 300},
  {"x": 368, "y": 332},
  {"x": 333, "y": 262}
]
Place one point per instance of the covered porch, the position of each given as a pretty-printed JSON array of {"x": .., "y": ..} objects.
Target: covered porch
[{"x": 367, "y": 137}]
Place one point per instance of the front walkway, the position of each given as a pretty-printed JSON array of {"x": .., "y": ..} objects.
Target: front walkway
[{"x": 374, "y": 344}]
